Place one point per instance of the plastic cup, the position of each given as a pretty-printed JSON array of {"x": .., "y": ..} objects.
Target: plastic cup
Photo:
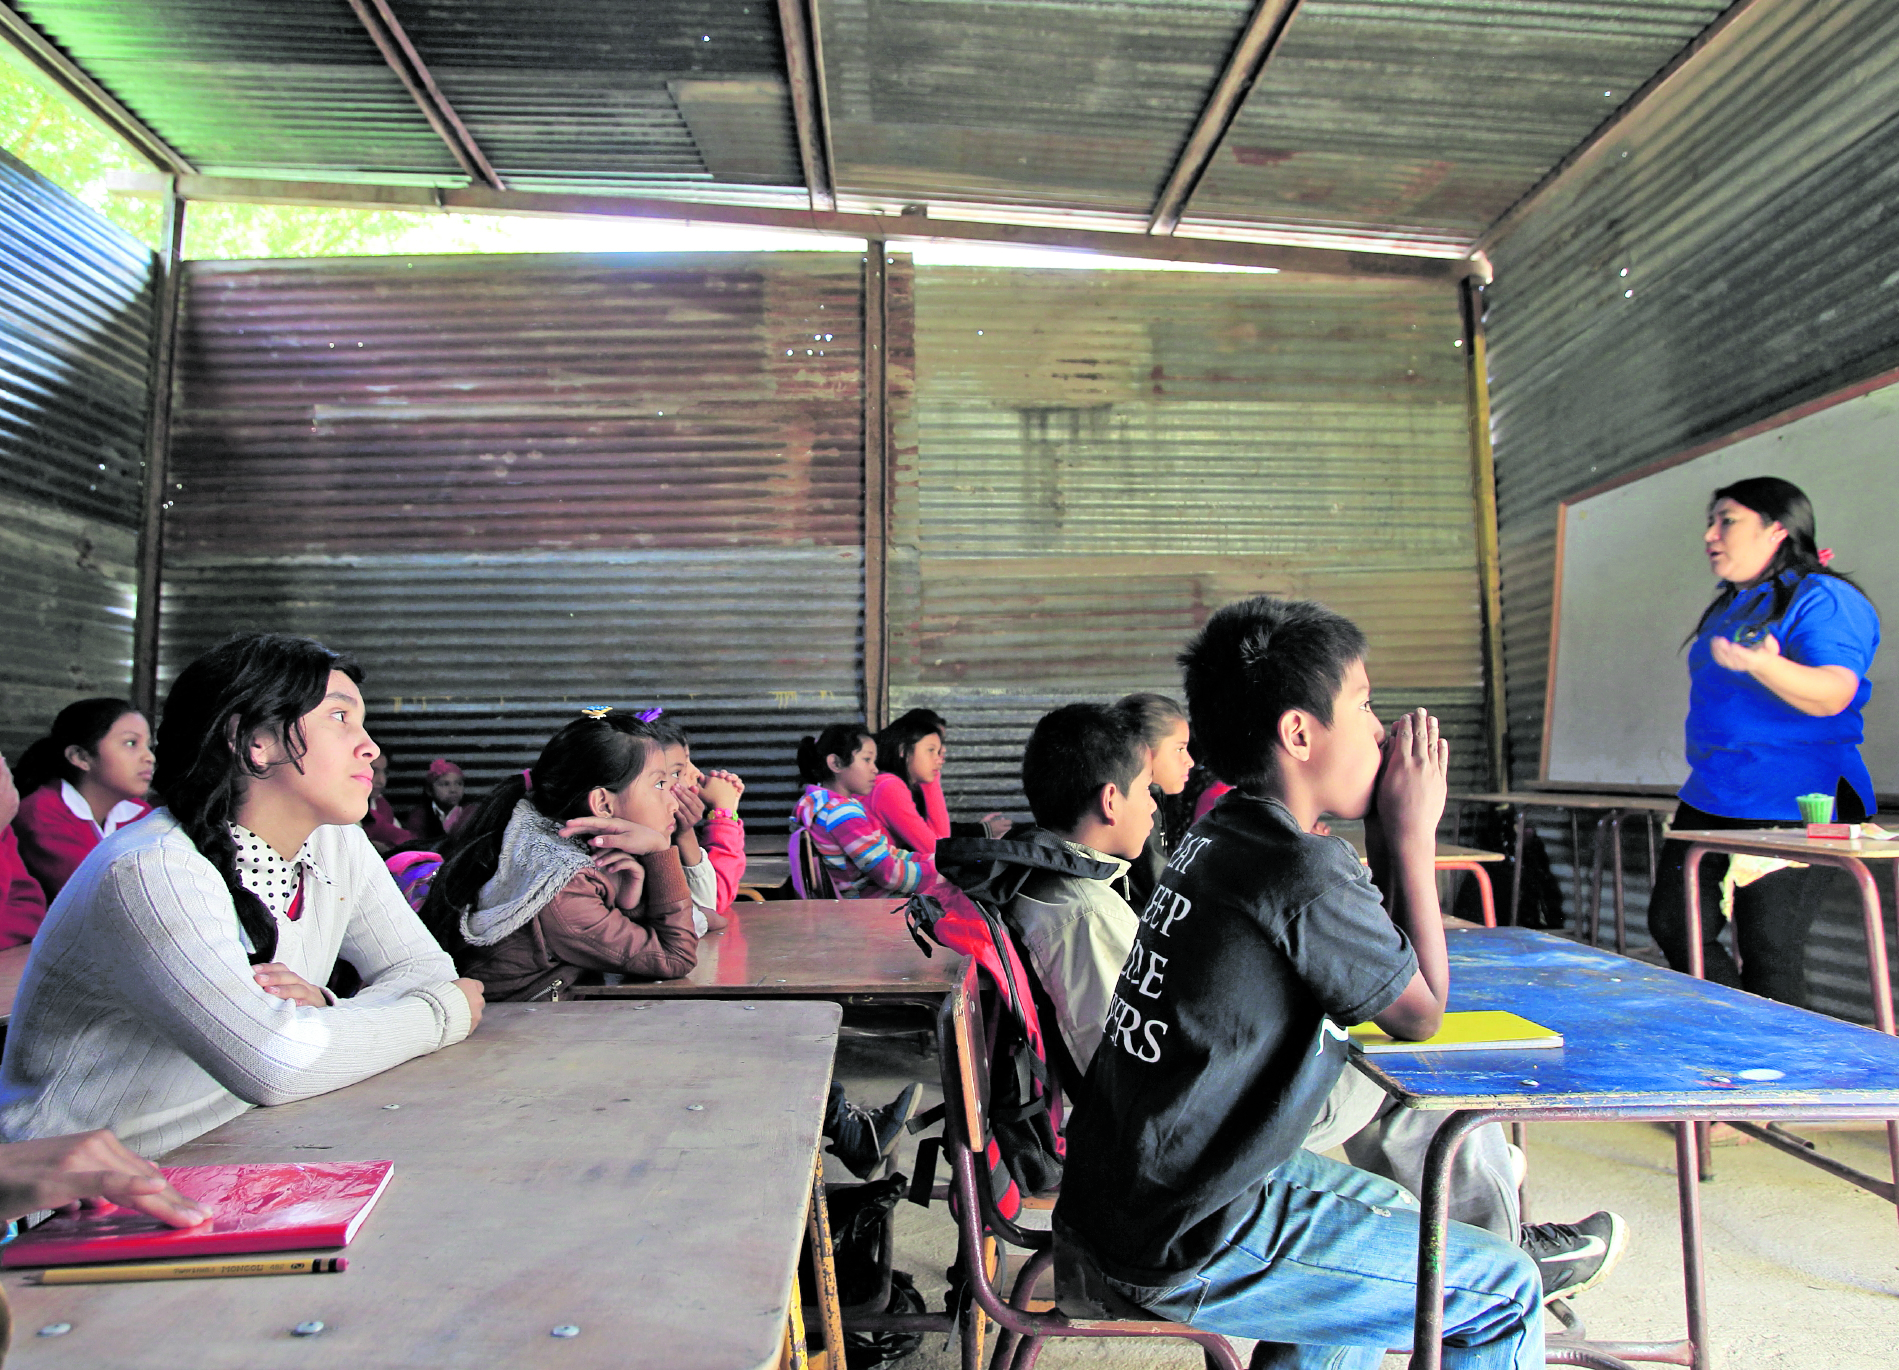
[{"x": 1816, "y": 808}]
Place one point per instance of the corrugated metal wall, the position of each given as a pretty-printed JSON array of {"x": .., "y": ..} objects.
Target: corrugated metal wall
[
  {"x": 1751, "y": 202},
  {"x": 75, "y": 343},
  {"x": 518, "y": 485},
  {"x": 1097, "y": 460}
]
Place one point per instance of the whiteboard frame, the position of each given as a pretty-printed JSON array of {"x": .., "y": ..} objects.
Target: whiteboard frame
[{"x": 1767, "y": 425}]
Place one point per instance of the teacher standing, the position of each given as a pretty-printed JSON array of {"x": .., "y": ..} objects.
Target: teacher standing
[{"x": 1777, "y": 685}]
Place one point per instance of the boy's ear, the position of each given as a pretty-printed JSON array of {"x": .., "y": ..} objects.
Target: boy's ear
[
  {"x": 1109, "y": 801},
  {"x": 1295, "y": 733}
]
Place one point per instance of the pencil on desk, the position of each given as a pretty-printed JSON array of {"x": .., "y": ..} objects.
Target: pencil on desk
[{"x": 212, "y": 1268}]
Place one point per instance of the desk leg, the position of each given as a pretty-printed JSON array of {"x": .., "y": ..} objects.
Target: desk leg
[
  {"x": 1697, "y": 967},
  {"x": 1621, "y": 917},
  {"x": 1575, "y": 866},
  {"x": 1516, "y": 873},
  {"x": 1694, "y": 1281},
  {"x": 1595, "y": 881},
  {"x": 1486, "y": 896},
  {"x": 830, "y": 1309},
  {"x": 1427, "y": 1346}
]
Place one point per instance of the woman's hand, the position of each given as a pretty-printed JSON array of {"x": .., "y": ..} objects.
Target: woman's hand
[
  {"x": 617, "y": 834},
  {"x": 90, "y": 1167},
  {"x": 721, "y": 790},
  {"x": 476, "y": 993},
  {"x": 997, "y": 825},
  {"x": 1818, "y": 691},
  {"x": 278, "y": 979}
]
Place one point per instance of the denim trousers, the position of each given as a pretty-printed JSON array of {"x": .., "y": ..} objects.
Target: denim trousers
[{"x": 1324, "y": 1274}]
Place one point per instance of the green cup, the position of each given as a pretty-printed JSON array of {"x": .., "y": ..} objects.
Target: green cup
[{"x": 1816, "y": 808}]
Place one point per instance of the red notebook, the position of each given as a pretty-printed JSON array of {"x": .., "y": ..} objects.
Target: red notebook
[{"x": 254, "y": 1208}]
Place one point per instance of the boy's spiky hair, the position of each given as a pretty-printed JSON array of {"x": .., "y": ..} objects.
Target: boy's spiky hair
[
  {"x": 1072, "y": 753},
  {"x": 1251, "y": 663}
]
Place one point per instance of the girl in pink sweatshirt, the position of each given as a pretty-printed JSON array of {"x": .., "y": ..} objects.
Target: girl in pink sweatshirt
[{"x": 907, "y": 798}]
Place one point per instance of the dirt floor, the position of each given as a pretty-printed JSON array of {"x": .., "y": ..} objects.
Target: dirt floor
[{"x": 1803, "y": 1270}]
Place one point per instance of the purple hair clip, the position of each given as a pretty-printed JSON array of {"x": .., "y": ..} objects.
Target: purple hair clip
[{"x": 650, "y": 715}]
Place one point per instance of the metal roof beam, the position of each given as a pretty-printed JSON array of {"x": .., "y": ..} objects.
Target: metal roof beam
[
  {"x": 90, "y": 95},
  {"x": 1322, "y": 261},
  {"x": 1250, "y": 55},
  {"x": 392, "y": 41},
  {"x": 1576, "y": 156},
  {"x": 805, "y": 75}
]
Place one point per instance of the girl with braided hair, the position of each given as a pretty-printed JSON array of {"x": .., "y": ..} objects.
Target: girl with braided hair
[{"x": 177, "y": 979}]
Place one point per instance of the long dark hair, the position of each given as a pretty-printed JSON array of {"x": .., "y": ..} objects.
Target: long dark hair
[
  {"x": 83, "y": 725},
  {"x": 838, "y": 739},
  {"x": 248, "y": 684},
  {"x": 587, "y": 754},
  {"x": 1797, "y": 557}
]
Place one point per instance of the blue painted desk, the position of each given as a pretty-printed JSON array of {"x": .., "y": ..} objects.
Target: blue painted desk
[{"x": 1639, "y": 1043}]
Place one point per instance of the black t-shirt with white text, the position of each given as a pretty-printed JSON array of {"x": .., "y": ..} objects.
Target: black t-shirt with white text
[{"x": 1222, "y": 1040}]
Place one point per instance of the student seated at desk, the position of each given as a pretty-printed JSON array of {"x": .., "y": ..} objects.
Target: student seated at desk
[
  {"x": 1186, "y": 1191},
  {"x": 441, "y": 808},
  {"x": 907, "y": 799},
  {"x": 177, "y": 979},
  {"x": 1165, "y": 736},
  {"x": 570, "y": 862},
  {"x": 22, "y": 901},
  {"x": 839, "y": 770},
  {"x": 714, "y": 862},
  {"x": 385, "y": 834},
  {"x": 79, "y": 784}
]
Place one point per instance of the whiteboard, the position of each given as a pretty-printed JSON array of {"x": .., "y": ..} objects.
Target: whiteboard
[{"x": 1632, "y": 578}]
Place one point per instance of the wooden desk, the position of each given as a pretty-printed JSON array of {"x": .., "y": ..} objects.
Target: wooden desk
[
  {"x": 1611, "y": 810},
  {"x": 1639, "y": 1042},
  {"x": 1793, "y": 844},
  {"x": 851, "y": 950},
  {"x": 640, "y": 1171},
  {"x": 1450, "y": 857},
  {"x": 12, "y": 967}
]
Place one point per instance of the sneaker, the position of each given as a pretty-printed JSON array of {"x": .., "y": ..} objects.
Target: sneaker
[
  {"x": 865, "y": 1136},
  {"x": 1575, "y": 1257}
]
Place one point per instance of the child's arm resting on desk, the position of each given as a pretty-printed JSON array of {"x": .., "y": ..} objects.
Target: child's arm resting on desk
[
  {"x": 182, "y": 970},
  {"x": 1410, "y": 797}
]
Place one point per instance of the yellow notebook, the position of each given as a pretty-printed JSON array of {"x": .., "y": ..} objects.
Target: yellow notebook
[{"x": 1483, "y": 1030}]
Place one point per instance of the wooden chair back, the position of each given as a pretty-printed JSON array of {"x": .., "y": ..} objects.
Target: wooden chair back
[{"x": 810, "y": 879}]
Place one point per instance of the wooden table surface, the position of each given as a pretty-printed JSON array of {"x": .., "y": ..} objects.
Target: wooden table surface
[
  {"x": 639, "y": 1171},
  {"x": 1354, "y": 832},
  {"x": 1792, "y": 841},
  {"x": 1580, "y": 799},
  {"x": 12, "y": 967},
  {"x": 803, "y": 949}
]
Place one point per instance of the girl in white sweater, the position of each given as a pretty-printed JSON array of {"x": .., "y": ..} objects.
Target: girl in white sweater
[{"x": 177, "y": 980}]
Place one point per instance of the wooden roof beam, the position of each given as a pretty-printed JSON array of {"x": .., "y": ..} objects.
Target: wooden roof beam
[
  {"x": 1324, "y": 261},
  {"x": 392, "y": 41},
  {"x": 88, "y": 93},
  {"x": 1250, "y": 55},
  {"x": 804, "y": 73}
]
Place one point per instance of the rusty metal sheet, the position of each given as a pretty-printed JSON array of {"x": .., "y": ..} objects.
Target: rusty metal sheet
[
  {"x": 517, "y": 485},
  {"x": 1101, "y": 459}
]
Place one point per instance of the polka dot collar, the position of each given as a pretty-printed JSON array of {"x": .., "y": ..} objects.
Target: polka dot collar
[{"x": 266, "y": 874}]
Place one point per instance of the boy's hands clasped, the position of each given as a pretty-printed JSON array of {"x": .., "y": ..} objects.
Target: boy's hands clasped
[{"x": 1413, "y": 780}]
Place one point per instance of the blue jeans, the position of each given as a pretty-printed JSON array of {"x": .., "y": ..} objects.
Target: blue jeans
[{"x": 1324, "y": 1274}]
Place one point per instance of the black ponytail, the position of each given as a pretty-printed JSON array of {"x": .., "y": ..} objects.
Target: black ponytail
[
  {"x": 587, "y": 754},
  {"x": 83, "y": 725},
  {"x": 249, "y": 684},
  {"x": 838, "y": 739},
  {"x": 1797, "y": 557}
]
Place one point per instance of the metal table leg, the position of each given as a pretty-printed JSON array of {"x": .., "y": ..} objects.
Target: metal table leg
[
  {"x": 1516, "y": 872},
  {"x": 1621, "y": 915}
]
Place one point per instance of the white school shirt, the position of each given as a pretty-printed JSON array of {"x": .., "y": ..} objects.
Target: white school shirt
[
  {"x": 138, "y": 1011},
  {"x": 121, "y": 813}
]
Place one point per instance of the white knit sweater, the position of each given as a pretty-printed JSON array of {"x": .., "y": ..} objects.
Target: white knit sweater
[{"x": 138, "y": 1012}]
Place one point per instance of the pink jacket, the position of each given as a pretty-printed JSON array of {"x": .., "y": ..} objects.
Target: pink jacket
[
  {"x": 893, "y": 810},
  {"x": 725, "y": 848},
  {"x": 22, "y": 901}
]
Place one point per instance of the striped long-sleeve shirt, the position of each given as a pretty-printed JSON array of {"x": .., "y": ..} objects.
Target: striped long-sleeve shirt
[
  {"x": 864, "y": 863},
  {"x": 138, "y": 1011}
]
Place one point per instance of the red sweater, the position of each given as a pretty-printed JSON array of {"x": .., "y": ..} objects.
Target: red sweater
[
  {"x": 22, "y": 901},
  {"x": 54, "y": 839},
  {"x": 724, "y": 844},
  {"x": 893, "y": 810}
]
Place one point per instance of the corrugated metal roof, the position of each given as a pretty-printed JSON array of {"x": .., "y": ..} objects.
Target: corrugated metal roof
[
  {"x": 485, "y": 502},
  {"x": 1750, "y": 201},
  {"x": 522, "y": 401},
  {"x": 1100, "y": 460},
  {"x": 75, "y": 344},
  {"x": 1076, "y": 103},
  {"x": 1433, "y": 115}
]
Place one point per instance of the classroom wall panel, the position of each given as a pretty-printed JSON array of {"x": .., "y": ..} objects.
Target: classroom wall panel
[
  {"x": 75, "y": 342},
  {"x": 1750, "y": 203},
  {"x": 1101, "y": 459},
  {"x": 514, "y": 486}
]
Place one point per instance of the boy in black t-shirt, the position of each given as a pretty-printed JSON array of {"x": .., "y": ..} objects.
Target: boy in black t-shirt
[{"x": 1186, "y": 1191}]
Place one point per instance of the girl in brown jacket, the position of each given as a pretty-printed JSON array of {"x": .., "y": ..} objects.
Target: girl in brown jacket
[{"x": 569, "y": 863}]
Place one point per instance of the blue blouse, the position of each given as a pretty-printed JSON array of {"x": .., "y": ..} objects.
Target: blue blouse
[{"x": 1749, "y": 751}]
